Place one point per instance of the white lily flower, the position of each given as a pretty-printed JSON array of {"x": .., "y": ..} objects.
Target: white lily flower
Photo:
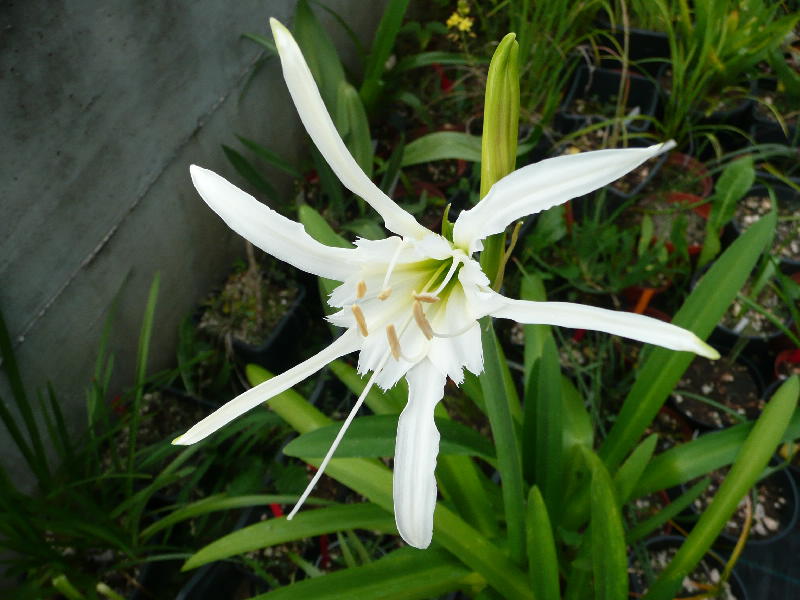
[{"x": 410, "y": 303}]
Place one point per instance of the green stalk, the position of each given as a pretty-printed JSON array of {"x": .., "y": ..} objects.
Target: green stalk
[{"x": 509, "y": 457}]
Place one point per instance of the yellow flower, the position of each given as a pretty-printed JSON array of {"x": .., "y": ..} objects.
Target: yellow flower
[
  {"x": 465, "y": 24},
  {"x": 453, "y": 21}
]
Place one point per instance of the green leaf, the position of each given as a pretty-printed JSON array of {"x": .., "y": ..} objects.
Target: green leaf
[
  {"x": 543, "y": 428},
  {"x": 607, "y": 535},
  {"x": 669, "y": 512},
  {"x": 250, "y": 173},
  {"x": 731, "y": 186},
  {"x": 702, "y": 310},
  {"x": 270, "y": 157},
  {"x": 753, "y": 457},
  {"x": 382, "y": 402},
  {"x": 305, "y": 524},
  {"x": 441, "y": 145},
  {"x": 542, "y": 555},
  {"x": 382, "y": 44},
  {"x": 532, "y": 288},
  {"x": 354, "y": 126},
  {"x": 374, "y": 436},
  {"x": 426, "y": 59},
  {"x": 698, "y": 457},
  {"x": 220, "y": 502},
  {"x": 262, "y": 41},
  {"x": 632, "y": 469},
  {"x": 405, "y": 574},
  {"x": 318, "y": 228},
  {"x": 578, "y": 429}
]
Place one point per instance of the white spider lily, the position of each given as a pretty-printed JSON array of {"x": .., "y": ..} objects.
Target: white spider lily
[{"x": 410, "y": 303}]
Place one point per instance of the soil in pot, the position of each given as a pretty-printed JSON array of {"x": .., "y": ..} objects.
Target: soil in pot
[
  {"x": 786, "y": 243},
  {"x": 671, "y": 428},
  {"x": 728, "y": 384},
  {"x": 769, "y": 100},
  {"x": 705, "y": 577},
  {"x": 774, "y": 509},
  {"x": 636, "y": 179},
  {"x": 249, "y": 305},
  {"x": 745, "y": 322},
  {"x": 667, "y": 216},
  {"x": 681, "y": 173}
]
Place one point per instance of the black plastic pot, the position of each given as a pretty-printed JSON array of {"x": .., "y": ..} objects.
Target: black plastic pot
[
  {"x": 697, "y": 421},
  {"x": 279, "y": 351},
  {"x": 765, "y": 129},
  {"x": 647, "y": 50},
  {"x": 788, "y": 203},
  {"x": 604, "y": 84},
  {"x": 223, "y": 579},
  {"x": 667, "y": 542},
  {"x": 784, "y": 479}
]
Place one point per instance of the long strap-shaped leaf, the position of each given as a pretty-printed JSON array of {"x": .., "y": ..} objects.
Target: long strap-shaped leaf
[
  {"x": 373, "y": 480},
  {"x": 306, "y": 524},
  {"x": 700, "y": 313},
  {"x": 698, "y": 457},
  {"x": 405, "y": 574},
  {"x": 753, "y": 456}
]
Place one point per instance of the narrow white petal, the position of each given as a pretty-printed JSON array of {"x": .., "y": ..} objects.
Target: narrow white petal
[
  {"x": 543, "y": 185},
  {"x": 320, "y": 127},
  {"x": 415, "y": 456},
  {"x": 348, "y": 342},
  {"x": 629, "y": 325},
  {"x": 272, "y": 232}
]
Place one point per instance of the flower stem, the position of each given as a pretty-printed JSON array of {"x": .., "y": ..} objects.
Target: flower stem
[{"x": 509, "y": 457}]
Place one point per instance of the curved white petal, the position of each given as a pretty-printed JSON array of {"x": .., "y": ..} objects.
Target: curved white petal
[
  {"x": 543, "y": 185},
  {"x": 629, "y": 325},
  {"x": 415, "y": 456},
  {"x": 272, "y": 232},
  {"x": 346, "y": 343},
  {"x": 461, "y": 347},
  {"x": 320, "y": 127}
]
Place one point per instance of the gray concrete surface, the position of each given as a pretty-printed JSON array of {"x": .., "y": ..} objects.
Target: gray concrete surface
[{"x": 103, "y": 106}]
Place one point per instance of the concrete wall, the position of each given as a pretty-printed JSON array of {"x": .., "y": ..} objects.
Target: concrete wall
[{"x": 103, "y": 106}]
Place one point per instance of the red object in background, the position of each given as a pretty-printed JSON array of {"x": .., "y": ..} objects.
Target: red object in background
[
  {"x": 324, "y": 553},
  {"x": 791, "y": 357},
  {"x": 445, "y": 83},
  {"x": 276, "y": 509},
  {"x": 118, "y": 406}
]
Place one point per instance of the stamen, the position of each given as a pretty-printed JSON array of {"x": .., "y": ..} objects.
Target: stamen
[
  {"x": 385, "y": 293},
  {"x": 338, "y": 439},
  {"x": 361, "y": 289},
  {"x": 360, "y": 320},
  {"x": 430, "y": 298},
  {"x": 394, "y": 343},
  {"x": 448, "y": 277},
  {"x": 422, "y": 320}
]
